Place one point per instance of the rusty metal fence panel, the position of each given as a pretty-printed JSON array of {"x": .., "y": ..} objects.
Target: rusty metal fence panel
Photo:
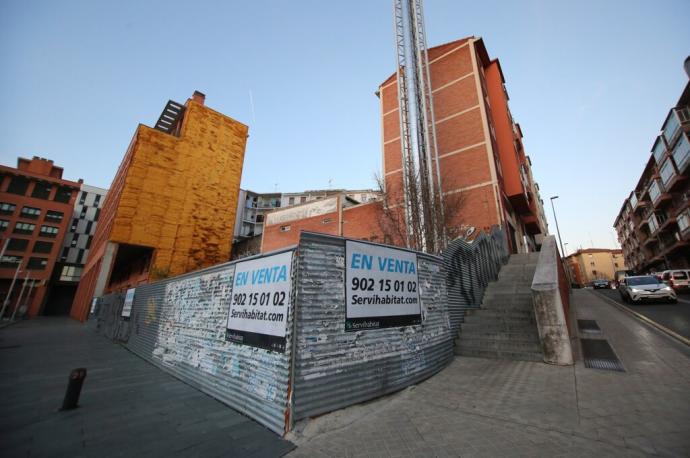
[
  {"x": 179, "y": 325},
  {"x": 334, "y": 368},
  {"x": 470, "y": 266}
]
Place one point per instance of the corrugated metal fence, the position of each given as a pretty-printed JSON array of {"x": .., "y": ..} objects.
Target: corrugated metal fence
[
  {"x": 179, "y": 324},
  {"x": 470, "y": 267}
]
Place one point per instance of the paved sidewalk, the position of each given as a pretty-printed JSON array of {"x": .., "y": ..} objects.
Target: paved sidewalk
[
  {"x": 128, "y": 406},
  {"x": 483, "y": 407}
]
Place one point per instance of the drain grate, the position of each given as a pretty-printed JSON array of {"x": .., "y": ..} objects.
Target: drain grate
[
  {"x": 589, "y": 326},
  {"x": 598, "y": 354}
]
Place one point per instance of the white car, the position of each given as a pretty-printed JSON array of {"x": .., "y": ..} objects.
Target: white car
[{"x": 645, "y": 288}]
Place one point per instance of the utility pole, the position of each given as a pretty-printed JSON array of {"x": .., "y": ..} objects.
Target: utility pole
[
  {"x": 556, "y": 221},
  {"x": 21, "y": 294},
  {"x": 9, "y": 292}
]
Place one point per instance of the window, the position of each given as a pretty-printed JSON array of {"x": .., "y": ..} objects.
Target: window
[
  {"x": 633, "y": 200},
  {"x": 302, "y": 199},
  {"x": 73, "y": 228},
  {"x": 259, "y": 218},
  {"x": 591, "y": 264},
  {"x": 37, "y": 264},
  {"x": 291, "y": 201},
  {"x": 96, "y": 200},
  {"x": 24, "y": 228},
  {"x": 17, "y": 244},
  {"x": 89, "y": 225},
  {"x": 41, "y": 190},
  {"x": 65, "y": 252},
  {"x": 98, "y": 213},
  {"x": 54, "y": 216},
  {"x": 18, "y": 185},
  {"x": 7, "y": 209},
  {"x": 653, "y": 224},
  {"x": 63, "y": 194},
  {"x": 659, "y": 149},
  {"x": 284, "y": 228},
  {"x": 80, "y": 256},
  {"x": 10, "y": 261},
  {"x": 48, "y": 231},
  {"x": 30, "y": 212},
  {"x": 671, "y": 126},
  {"x": 683, "y": 221},
  {"x": 43, "y": 247},
  {"x": 88, "y": 242},
  {"x": 82, "y": 197},
  {"x": 681, "y": 153},
  {"x": 70, "y": 273},
  {"x": 667, "y": 172},
  {"x": 3, "y": 224},
  {"x": 654, "y": 190}
]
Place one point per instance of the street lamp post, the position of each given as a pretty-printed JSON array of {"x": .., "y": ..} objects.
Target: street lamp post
[
  {"x": 565, "y": 246},
  {"x": 556, "y": 220}
]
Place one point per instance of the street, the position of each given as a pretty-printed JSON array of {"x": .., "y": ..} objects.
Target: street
[{"x": 675, "y": 317}]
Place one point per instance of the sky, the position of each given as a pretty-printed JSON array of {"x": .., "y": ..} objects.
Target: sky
[{"x": 590, "y": 83}]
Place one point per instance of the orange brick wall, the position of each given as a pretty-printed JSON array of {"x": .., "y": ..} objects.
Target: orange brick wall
[{"x": 177, "y": 195}]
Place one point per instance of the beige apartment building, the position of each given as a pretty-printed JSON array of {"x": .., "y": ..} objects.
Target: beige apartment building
[{"x": 595, "y": 263}]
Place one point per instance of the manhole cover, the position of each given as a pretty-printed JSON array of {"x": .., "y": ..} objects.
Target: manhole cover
[{"x": 598, "y": 354}]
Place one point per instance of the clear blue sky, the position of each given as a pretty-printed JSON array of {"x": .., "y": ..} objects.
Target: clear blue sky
[{"x": 590, "y": 84}]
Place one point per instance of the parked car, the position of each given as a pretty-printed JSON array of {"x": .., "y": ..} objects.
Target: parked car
[
  {"x": 644, "y": 288},
  {"x": 600, "y": 284},
  {"x": 679, "y": 280}
]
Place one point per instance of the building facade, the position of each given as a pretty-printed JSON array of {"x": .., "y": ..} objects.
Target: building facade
[
  {"x": 484, "y": 168},
  {"x": 75, "y": 248},
  {"x": 595, "y": 264},
  {"x": 653, "y": 224},
  {"x": 36, "y": 206},
  {"x": 171, "y": 207}
]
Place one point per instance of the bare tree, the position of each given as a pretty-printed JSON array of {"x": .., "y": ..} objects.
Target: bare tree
[{"x": 442, "y": 213}]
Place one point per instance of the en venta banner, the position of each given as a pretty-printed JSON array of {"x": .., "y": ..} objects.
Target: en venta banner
[
  {"x": 261, "y": 302},
  {"x": 381, "y": 287}
]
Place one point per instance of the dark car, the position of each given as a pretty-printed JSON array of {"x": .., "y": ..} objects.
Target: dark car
[{"x": 600, "y": 284}]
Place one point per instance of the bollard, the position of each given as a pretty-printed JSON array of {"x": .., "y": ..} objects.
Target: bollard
[{"x": 76, "y": 380}]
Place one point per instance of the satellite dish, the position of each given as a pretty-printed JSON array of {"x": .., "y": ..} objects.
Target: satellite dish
[{"x": 470, "y": 231}]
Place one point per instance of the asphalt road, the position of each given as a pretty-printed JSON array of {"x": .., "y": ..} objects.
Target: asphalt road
[{"x": 675, "y": 317}]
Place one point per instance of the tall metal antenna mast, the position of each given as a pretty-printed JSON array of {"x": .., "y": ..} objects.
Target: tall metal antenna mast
[{"x": 422, "y": 190}]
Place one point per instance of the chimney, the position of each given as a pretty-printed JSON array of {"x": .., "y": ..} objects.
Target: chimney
[{"x": 199, "y": 97}]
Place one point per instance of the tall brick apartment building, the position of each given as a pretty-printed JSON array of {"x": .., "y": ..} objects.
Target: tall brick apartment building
[
  {"x": 479, "y": 144},
  {"x": 171, "y": 206},
  {"x": 653, "y": 224},
  {"x": 36, "y": 206},
  {"x": 481, "y": 159}
]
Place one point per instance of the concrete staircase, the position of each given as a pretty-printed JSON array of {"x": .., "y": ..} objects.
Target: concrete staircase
[{"x": 504, "y": 326}]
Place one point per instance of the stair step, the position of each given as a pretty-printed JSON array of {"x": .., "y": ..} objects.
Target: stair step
[
  {"x": 498, "y": 345},
  {"x": 505, "y": 312},
  {"x": 512, "y": 355},
  {"x": 499, "y": 327},
  {"x": 525, "y": 335}
]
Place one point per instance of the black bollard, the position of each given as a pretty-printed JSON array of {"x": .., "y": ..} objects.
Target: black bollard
[{"x": 76, "y": 380}]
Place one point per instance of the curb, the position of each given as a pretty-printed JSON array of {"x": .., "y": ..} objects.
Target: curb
[{"x": 643, "y": 318}]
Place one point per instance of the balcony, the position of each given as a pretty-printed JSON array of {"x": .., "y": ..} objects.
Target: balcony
[
  {"x": 681, "y": 153},
  {"x": 659, "y": 149},
  {"x": 676, "y": 118}
]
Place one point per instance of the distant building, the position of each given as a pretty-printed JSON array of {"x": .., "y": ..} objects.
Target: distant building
[
  {"x": 252, "y": 209},
  {"x": 595, "y": 263},
  {"x": 36, "y": 206},
  {"x": 171, "y": 207},
  {"x": 653, "y": 224},
  {"x": 75, "y": 248}
]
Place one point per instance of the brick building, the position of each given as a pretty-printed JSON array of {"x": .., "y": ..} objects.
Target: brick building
[
  {"x": 75, "y": 248},
  {"x": 481, "y": 156},
  {"x": 171, "y": 206},
  {"x": 483, "y": 164},
  {"x": 36, "y": 206},
  {"x": 592, "y": 264},
  {"x": 653, "y": 224}
]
